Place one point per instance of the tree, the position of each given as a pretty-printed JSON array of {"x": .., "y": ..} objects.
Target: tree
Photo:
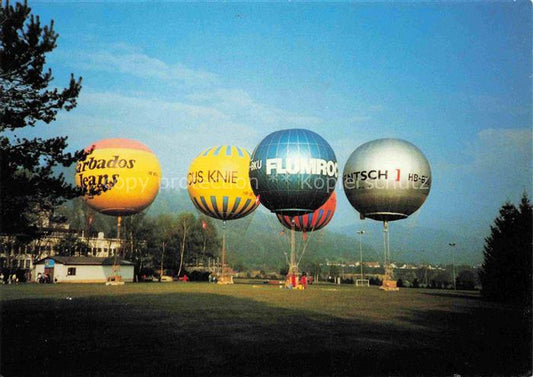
[
  {"x": 441, "y": 280},
  {"x": 506, "y": 271},
  {"x": 29, "y": 186},
  {"x": 186, "y": 222},
  {"x": 204, "y": 239},
  {"x": 164, "y": 237},
  {"x": 85, "y": 219},
  {"x": 466, "y": 280},
  {"x": 71, "y": 245},
  {"x": 137, "y": 230}
]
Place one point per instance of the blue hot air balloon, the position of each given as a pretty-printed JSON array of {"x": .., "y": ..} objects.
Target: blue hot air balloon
[{"x": 293, "y": 171}]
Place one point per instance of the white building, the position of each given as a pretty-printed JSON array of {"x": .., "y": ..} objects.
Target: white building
[
  {"x": 22, "y": 256},
  {"x": 81, "y": 269}
]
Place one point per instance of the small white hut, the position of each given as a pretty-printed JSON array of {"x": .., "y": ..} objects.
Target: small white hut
[{"x": 81, "y": 269}]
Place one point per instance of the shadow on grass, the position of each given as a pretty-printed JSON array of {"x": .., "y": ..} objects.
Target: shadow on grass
[
  {"x": 189, "y": 334},
  {"x": 479, "y": 341},
  {"x": 469, "y": 295}
]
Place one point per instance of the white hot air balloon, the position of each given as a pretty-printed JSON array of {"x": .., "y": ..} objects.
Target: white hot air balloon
[{"x": 387, "y": 180}]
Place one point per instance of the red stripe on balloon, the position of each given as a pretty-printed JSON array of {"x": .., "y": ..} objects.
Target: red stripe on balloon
[
  {"x": 119, "y": 143},
  {"x": 307, "y": 223}
]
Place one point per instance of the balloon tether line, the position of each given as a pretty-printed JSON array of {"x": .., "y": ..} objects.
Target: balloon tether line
[
  {"x": 115, "y": 277},
  {"x": 386, "y": 246},
  {"x": 293, "y": 267},
  {"x": 306, "y": 242},
  {"x": 281, "y": 243},
  {"x": 224, "y": 270}
]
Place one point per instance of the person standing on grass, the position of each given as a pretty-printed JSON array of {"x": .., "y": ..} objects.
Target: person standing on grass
[
  {"x": 288, "y": 284},
  {"x": 303, "y": 280}
]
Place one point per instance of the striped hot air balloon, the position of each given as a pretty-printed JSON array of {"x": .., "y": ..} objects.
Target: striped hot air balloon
[
  {"x": 219, "y": 185},
  {"x": 312, "y": 221}
]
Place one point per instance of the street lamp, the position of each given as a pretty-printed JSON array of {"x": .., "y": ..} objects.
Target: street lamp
[
  {"x": 361, "y": 232},
  {"x": 452, "y": 245}
]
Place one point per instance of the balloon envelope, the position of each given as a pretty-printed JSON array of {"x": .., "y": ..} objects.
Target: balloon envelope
[
  {"x": 218, "y": 183},
  {"x": 387, "y": 179},
  {"x": 130, "y": 171},
  {"x": 293, "y": 171},
  {"x": 312, "y": 221}
]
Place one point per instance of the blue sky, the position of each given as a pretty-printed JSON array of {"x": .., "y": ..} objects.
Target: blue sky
[{"x": 452, "y": 78}]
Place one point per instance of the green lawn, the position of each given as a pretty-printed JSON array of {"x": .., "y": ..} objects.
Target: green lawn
[{"x": 187, "y": 329}]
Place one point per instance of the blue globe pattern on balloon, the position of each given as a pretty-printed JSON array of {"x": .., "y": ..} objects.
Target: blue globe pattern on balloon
[{"x": 285, "y": 188}]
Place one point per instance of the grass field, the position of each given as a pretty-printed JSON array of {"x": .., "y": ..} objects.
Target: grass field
[{"x": 188, "y": 329}]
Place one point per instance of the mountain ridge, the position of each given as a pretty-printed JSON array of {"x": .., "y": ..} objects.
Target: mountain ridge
[{"x": 250, "y": 237}]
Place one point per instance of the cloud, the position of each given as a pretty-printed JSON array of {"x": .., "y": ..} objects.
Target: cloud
[
  {"x": 241, "y": 104},
  {"x": 176, "y": 124},
  {"x": 496, "y": 168},
  {"x": 176, "y": 130},
  {"x": 201, "y": 103},
  {"x": 123, "y": 59},
  {"x": 501, "y": 150},
  {"x": 493, "y": 151}
]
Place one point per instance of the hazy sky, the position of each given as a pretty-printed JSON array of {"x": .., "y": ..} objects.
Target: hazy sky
[{"x": 454, "y": 79}]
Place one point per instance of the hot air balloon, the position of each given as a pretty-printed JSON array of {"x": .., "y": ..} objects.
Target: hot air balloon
[
  {"x": 312, "y": 221},
  {"x": 127, "y": 171},
  {"x": 127, "y": 168},
  {"x": 309, "y": 222},
  {"x": 219, "y": 187},
  {"x": 387, "y": 180},
  {"x": 294, "y": 172}
]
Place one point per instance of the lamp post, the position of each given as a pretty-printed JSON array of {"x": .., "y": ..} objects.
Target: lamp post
[
  {"x": 361, "y": 232},
  {"x": 452, "y": 245}
]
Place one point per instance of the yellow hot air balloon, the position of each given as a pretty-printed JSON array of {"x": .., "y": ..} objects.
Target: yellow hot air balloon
[
  {"x": 131, "y": 174},
  {"x": 129, "y": 170},
  {"x": 219, "y": 185}
]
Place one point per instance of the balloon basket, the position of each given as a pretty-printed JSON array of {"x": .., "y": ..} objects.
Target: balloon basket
[
  {"x": 114, "y": 283},
  {"x": 226, "y": 280},
  {"x": 115, "y": 280},
  {"x": 226, "y": 276},
  {"x": 389, "y": 286}
]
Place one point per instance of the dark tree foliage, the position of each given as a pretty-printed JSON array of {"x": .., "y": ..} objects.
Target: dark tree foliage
[
  {"x": 28, "y": 185},
  {"x": 148, "y": 236},
  {"x": 466, "y": 280},
  {"x": 506, "y": 271},
  {"x": 71, "y": 245}
]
